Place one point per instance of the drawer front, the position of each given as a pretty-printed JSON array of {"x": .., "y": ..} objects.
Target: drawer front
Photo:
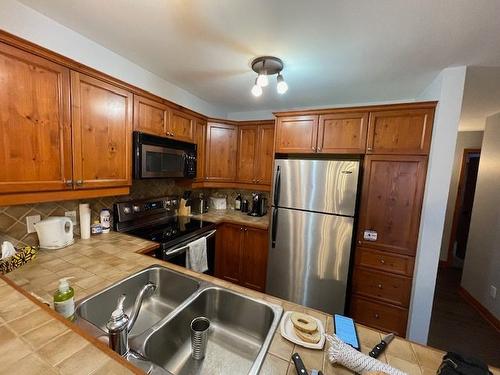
[
  {"x": 384, "y": 261},
  {"x": 382, "y": 286},
  {"x": 379, "y": 315}
]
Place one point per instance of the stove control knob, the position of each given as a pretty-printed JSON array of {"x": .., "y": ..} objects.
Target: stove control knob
[
  {"x": 126, "y": 210},
  {"x": 136, "y": 208}
]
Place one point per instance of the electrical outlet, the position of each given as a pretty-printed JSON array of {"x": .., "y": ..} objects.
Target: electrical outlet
[
  {"x": 493, "y": 291},
  {"x": 71, "y": 215},
  {"x": 31, "y": 221}
]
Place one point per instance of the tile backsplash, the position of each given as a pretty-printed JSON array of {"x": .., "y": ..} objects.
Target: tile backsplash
[{"x": 13, "y": 218}]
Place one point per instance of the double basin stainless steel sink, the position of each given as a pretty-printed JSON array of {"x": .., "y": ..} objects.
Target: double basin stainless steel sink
[{"x": 241, "y": 327}]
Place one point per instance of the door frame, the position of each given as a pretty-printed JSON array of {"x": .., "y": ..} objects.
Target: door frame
[{"x": 458, "y": 205}]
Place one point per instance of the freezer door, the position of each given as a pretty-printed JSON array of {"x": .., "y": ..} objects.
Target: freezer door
[
  {"x": 328, "y": 186},
  {"x": 309, "y": 258}
]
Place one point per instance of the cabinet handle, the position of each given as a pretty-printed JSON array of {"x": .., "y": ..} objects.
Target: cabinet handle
[
  {"x": 79, "y": 182},
  {"x": 382, "y": 261},
  {"x": 69, "y": 183}
]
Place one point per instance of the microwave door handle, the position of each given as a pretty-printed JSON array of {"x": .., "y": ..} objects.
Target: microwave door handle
[{"x": 277, "y": 186}]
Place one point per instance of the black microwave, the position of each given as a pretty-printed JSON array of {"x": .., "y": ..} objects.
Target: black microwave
[{"x": 158, "y": 157}]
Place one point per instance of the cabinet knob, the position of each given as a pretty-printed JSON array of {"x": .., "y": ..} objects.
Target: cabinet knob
[
  {"x": 79, "y": 182},
  {"x": 382, "y": 261},
  {"x": 376, "y": 315},
  {"x": 246, "y": 229},
  {"x": 379, "y": 286},
  {"x": 319, "y": 149},
  {"x": 172, "y": 134},
  {"x": 69, "y": 183},
  {"x": 313, "y": 148},
  {"x": 369, "y": 148},
  {"x": 241, "y": 228}
]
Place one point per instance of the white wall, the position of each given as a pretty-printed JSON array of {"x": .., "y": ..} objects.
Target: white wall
[
  {"x": 26, "y": 23},
  {"x": 467, "y": 139},
  {"x": 448, "y": 88},
  {"x": 482, "y": 259}
]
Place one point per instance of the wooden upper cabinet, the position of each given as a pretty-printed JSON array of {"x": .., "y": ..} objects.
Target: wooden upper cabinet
[
  {"x": 102, "y": 133},
  {"x": 181, "y": 126},
  {"x": 35, "y": 133},
  {"x": 391, "y": 201},
  {"x": 248, "y": 137},
  {"x": 400, "y": 131},
  {"x": 150, "y": 116},
  {"x": 265, "y": 156},
  {"x": 296, "y": 134},
  {"x": 200, "y": 140},
  {"x": 221, "y": 152},
  {"x": 254, "y": 258},
  {"x": 342, "y": 133}
]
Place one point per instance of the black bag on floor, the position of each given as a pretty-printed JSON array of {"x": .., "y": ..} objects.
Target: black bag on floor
[{"x": 455, "y": 364}]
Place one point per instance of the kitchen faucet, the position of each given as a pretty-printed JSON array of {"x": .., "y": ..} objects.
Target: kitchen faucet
[{"x": 119, "y": 324}]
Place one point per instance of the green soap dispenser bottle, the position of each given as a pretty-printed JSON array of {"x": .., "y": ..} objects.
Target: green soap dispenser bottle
[{"x": 64, "y": 299}]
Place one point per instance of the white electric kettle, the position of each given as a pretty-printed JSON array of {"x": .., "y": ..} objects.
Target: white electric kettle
[{"x": 55, "y": 232}]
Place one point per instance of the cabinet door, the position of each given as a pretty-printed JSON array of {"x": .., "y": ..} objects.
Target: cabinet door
[
  {"x": 222, "y": 143},
  {"x": 181, "y": 126},
  {"x": 247, "y": 153},
  {"x": 343, "y": 133},
  {"x": 391, "y": 201},
  {"x": 35, "y": 133},
  {"x": 228, "y": 252},
  {"x": 265, "y": 155},
  {"x": 150, "y": 116},
  {"x": 296, "y": 134},
  {"x": 400, "y": 132},
  {"x": 200, "y": 139},
  {"x": 254, "y": 258},
  {"x": 102, "y": 133}
]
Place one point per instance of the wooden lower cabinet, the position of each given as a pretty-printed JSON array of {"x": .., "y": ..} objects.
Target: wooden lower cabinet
[
  {"x": 385, "y": 261},
  {"x": 383, "y": 286},
  {"x": 241, "y": 255},
  {"x": 379, "y": 315}
]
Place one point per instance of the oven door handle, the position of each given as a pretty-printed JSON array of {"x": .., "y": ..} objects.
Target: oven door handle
[{"x": 184, "y": 248}]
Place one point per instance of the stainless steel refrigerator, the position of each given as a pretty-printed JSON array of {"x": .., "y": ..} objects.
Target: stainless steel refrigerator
[{"x": 313, "y": 208}]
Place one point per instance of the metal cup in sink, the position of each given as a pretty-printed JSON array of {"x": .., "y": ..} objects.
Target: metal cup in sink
[{"x": 199, "y": 337}]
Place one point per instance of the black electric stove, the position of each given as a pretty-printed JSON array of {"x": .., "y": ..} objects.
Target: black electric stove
[{"x": 156, "y": 220}]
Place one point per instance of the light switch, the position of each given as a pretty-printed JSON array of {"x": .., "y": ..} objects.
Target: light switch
[
  {"x": 370, "y": 235},
  {"x": 31, "y": 221}
]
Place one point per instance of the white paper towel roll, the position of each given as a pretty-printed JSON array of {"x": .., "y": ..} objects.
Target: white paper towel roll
[{"x": 84, "y": 221}]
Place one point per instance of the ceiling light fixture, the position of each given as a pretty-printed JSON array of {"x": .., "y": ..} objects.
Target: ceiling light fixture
[{"x": 266, "y": 66}]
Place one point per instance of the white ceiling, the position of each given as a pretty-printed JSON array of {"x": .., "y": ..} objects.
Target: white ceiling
[
  {"x": 481, "y": 97},
  {"x": 335, "y": 52}
]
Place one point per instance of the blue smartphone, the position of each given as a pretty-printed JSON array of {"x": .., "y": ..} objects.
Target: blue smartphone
[{"x": 346, "y": 330}]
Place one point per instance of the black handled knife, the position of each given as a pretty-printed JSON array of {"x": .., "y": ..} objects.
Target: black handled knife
[
  {"x": 299, "y": 365},
  {"x": 379, "y": 348}
]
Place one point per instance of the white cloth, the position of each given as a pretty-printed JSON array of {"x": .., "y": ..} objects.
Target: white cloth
[
  {"x": 7, "y": 249},
  {"x": 340, "y": 352},
  {"x": 196, "y": 255}
]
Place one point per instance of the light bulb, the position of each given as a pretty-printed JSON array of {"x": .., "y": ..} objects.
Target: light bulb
[
  {"x": 256, "y": 90},
  {"x": 262, "y": 80},
  {"x": 282, "y": 86}
]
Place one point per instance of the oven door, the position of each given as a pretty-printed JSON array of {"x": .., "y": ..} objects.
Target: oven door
[
  {"x": 177, "y": 254},
  {"x": 157, "y": 161}
]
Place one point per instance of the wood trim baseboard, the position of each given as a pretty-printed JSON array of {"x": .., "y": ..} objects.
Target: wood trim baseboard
[{"x": 483, "y": 311}]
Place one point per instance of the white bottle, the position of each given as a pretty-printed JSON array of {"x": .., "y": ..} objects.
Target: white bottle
[{"x": 105, "y": 217}]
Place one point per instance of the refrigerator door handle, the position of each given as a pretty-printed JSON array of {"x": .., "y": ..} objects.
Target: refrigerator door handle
[
  {"x": 277, "y": 186},
  {"x": 274, "y": 227}
]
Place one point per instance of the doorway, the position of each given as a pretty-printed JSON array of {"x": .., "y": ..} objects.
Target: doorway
[{"x": 457, "y": 247}]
